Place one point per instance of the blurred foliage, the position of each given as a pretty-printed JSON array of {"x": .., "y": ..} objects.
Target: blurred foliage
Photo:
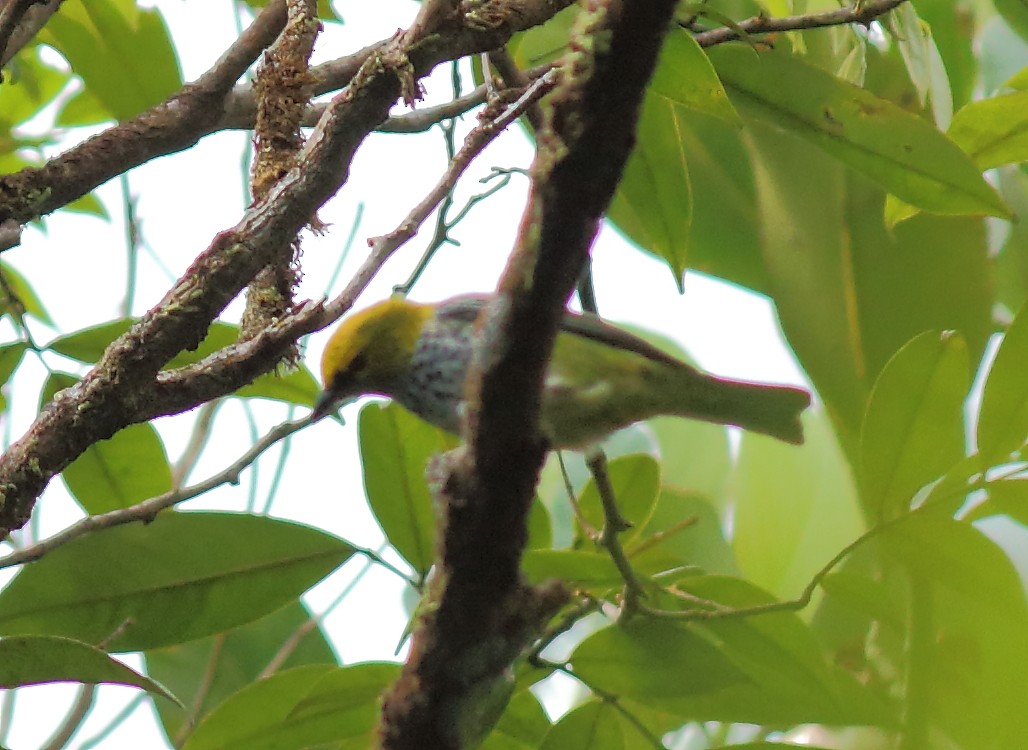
[{"x": 864, "y": 590}]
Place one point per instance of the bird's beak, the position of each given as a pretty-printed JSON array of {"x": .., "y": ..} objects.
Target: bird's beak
[{"x": 325, "y": 404}]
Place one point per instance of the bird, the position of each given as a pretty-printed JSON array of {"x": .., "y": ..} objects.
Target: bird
[{"x": 600, "y": 378}]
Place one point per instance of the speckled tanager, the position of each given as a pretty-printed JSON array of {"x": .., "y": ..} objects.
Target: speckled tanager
[{"x": 599, "y": 379}]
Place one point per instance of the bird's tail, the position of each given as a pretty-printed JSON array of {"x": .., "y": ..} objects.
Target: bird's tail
[{"x": 768, "y": 409}]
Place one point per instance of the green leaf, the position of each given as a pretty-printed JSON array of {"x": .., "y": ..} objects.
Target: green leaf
[
  {"x": 1003, "y": 419},
  {"x": 593, "y": 571},
  {"x": 683, "y": 530},
  {"x": 653, "y": 203},
  {"x": 207, "y": 671},
  {"x": 304, "y": 707},
  {"x": 914, "y": 427},
  {"x": 180, "y": 577},
  {"x": 24, "y": 296},
  {"x": 1015, "y": 13},
  {"x": 902, "y": 152},
  {"x": 35, "y": 660},
  {"x": 794, "y": 507},
  {"x": 123, "y": 53},
  {"x": 913, "y": 38},
  {"x": 649, "y": 659},
  {"x": 709, "y": 462},
  {"x": 788, "y": 680},
  {"x": 33, "y": 85},
  {"x": 395, "y": 449},
  {"x": 522, "y": 727},
  {"x": 849, "y": 292},
  {"x": 993, "y": 131},
  {"x": 970, "y": 611},
  {"x": 10, "y": 358},
  {"x": 592, "y": 726},
  {"x": 635, "y": 481},
  {"x": 1009, "y": 497},
  {"x": 684, "y": 75}
]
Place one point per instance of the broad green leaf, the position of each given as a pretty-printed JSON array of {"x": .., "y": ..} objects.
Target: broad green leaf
[
  {"x": 787, "y": 680},
  {"x": 592, "y": 726},
  {"x": 682, "y": 530},
  {"x": 24, "y": 296},
  {"x": 1003, "y": 419},
  {"x": 594, "y": 571},
  {"x": 1009, "y": 497},
  {"x": 122, "y": 52},
  {"x": 914, "y": 427},
  {"x": 121, "y": 471},
  {"x": 695, "y": 456},
  {"x": 395, "y": 450},
  {"x": 902, "y": 152},
  {"x": 1015, "y": 13},
  {"x": 1019, "y": 81},
  {"x": 649, "y": 659},
  {"x": 635, "y": 481},
  {"x": 544, "y": 43},
  {"x": 970, "y": 613},
  {"x": 522, "y": 727},
  {"x": 849, "y": 292},
  {"x": 10, "y": 358},
  {"x": 794, "y": 507},
  {"x": 684, "y": 75},
  {"x": 954, "y": 40},
  {"x": 205, "y": 672},
  {"x": 914, "y": 40},
  {"x": 772, "y": 746},
  {"x": 35, "y": 660},
  {"x": 180, "y": 577},
  {"x": 653, "y": 203},
  {"x": 994, "y": 131},
  {"x": 30, "y": 88},
  {"x": 309, "y": 706},
  {"x": 296, "y": 387}
]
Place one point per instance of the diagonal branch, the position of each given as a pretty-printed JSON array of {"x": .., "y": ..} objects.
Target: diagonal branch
[
  {"x": 481, "y": 614},
  {"x": 862, "y": 13},
  {"x": 120, "y": 390}
]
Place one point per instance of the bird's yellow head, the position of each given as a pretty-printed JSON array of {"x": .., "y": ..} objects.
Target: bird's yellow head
[{"x": 369, "y": 349}]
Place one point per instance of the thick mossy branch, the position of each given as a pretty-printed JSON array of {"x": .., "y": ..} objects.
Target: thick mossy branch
[
  {"x": 482, "y": 615},
  {"x": 283, "y": 88}
]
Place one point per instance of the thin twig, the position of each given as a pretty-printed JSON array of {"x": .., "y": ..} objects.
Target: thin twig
[
  {"x": 73, "y": 721},
  {"x": 149, "y": 508},
  {"x": 610, "y": 699},
  {"x": 197, "y": 440},
  {"x": 115, "y": 722},
  {"x": 613, "y": 524},
  {"x": 475, "y": 142},
  {"x": 862, "y": 12},
  {"x": 196, "y": 707}
]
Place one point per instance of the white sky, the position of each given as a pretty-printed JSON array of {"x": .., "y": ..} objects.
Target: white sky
[{"x": 78, "y": 266}]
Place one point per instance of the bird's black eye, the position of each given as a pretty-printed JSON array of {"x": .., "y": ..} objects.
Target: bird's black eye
[{"x": 358, "y": 363}]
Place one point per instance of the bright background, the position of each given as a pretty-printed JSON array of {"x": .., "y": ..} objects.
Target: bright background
[{"x": 79, "y": 264}]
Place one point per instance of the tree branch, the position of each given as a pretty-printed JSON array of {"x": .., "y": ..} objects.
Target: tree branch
[
  {"x": 125, "y": 386},
  {"x": 20, "y": 21},
  {"x": 863, "y": 13},
  {"x": 482, "y": 615}
]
